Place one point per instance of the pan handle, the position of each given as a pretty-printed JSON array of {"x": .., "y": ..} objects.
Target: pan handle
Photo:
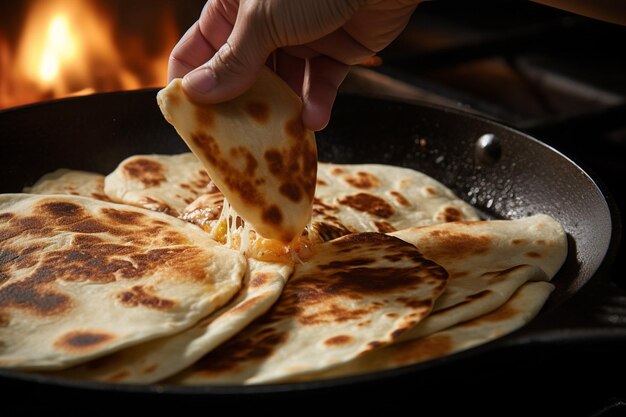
[{"x": 596, "y": 314}]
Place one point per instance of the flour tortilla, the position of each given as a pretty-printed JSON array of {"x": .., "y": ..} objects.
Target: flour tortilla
[
  {"x": 160, "y": 358},
  {"x": 256, "y": 149},
  {"x": 380, "y": 198},
  {"x": 487, "y": 262},
  {"x": 80, "y": 278},
  {"x": 70, "y": 182},
  {"x": 515, "y": 313},
  {"x": 356, "y": 293},
  {"x": 165, "y": 183}
]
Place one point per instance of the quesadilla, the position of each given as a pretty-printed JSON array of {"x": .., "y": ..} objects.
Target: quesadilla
[
  {"x": 355, "y": 294},
  {"x": 165, "y": 183},
  {"x": 80, "y": 278},
  {"x": 256, "y": 150},
  {"x": 516, "y": 312},
  {"x": 160, "y": 358}
]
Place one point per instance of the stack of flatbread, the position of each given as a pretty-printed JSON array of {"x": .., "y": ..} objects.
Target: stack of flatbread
[{"x": 250, "y": 262}]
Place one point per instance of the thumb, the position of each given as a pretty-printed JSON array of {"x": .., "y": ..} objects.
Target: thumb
[{"x": 232, "y": 70}]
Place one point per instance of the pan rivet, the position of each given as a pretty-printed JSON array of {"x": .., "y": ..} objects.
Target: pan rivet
[{"x": 488, "y": 149}]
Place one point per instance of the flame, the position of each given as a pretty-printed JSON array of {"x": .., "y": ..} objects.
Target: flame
[{"x": 68, "y": 48}]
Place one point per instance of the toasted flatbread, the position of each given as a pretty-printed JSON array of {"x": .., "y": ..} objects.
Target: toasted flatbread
[
  {"x": 355, "y": 294},
  {"x": 165, "y": 183},
  {"x": 256, "y": 149},
  {"x": 80, "y": 278},
  {"x": 70, "y": 182},
  {"x": 160, "y": 358}
]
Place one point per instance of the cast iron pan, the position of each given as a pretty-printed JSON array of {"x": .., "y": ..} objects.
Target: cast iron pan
[{"x": 504, "y": 173}]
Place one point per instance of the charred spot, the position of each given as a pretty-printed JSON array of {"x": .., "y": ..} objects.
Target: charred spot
[
  {"x": 30, "y": 295},
  {"x": 205, "y": 116},
  {"x": 83, "y": 340},
  {"x": 139, "y": 296},
  {"x": 347, "y": 263},
  {"x": 258, "y": 111},
  {"x": 147, "y": 171},
  {"x": 400, "y": 199},
  {"x": 272, "y": 215},
  {"x": 369, "y": 203},
  {"x": 61, "y": 209},
  {"x": 5, "y": 319},
  {"x": 291, "y": 191},
  {"x": 340, "y": 340},
  {"x": 89, "y": 226},
  {"x": 274, "y": 161},
  {"x": 384, "y": 227},
  {"x": 362, "y": 180},
  {"x": 328, "y": 231},
  {"x": 334, "y": 314},
  {"x": 123, "y": 216},
  {"x": 245, "y": 347}
]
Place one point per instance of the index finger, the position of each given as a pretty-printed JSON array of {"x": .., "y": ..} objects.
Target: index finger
[{"x": 202, "y": 39}]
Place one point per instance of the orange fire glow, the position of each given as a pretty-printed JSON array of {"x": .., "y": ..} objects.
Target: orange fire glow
[{"x": 68, "y": 47}]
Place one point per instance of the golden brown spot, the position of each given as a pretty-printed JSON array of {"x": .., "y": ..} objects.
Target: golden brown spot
[
  {"x": 148, "y": 171},
  {"x": 60, "y": 209},
  {"x": 446, "y": 244},
  {"x": 31, "y": 294},
  {"x": 5, "y": 217},
  {"x": 118, "y": 376},
  {"x": 337, "y": 171},
  {"x": 431, "y": 190},
  {"x": 452, "y": 214},
  {"x": 236, "y": 180},
  {"x": 532, "y": 254},
  {"x": 362, "y": 180},
  {"x": 258, "y": 111},
  {"x": 291, "y": 191},
  {"x": 150, "y": 369},
  {"x": 400, "y": 199},
  {"x": 518, "y": 241},
  {"x": 384, "y": 227},
  {"x": 139, "y": 296},
  {"x": 259, "y": 280},
  {"x": 369, "y": 203},
  {"x": 83, "y": 340},
  {"x": 391, "y": 315},
  {"x": 5, "y": 319},
  {"x": 272, "y": 215},
  {"x": 205, "y": 116},
  {"x": 340, "y": 340},
  {"x": 123, "y": 216},
  {"x": 321, "y": 182}
]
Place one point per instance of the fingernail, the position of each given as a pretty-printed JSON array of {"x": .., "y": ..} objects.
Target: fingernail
[{"x": 200, "y": 80}]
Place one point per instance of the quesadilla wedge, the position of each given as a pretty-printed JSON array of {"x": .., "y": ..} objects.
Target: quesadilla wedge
[
  {"x": 80, "y": 278},
  {"x": 256, "y": 150}
]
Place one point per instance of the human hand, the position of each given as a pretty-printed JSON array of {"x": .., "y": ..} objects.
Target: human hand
[{"x": 315, "y": 42}]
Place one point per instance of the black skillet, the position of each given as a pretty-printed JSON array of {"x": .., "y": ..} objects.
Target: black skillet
[{"x": 504, "y": 173}]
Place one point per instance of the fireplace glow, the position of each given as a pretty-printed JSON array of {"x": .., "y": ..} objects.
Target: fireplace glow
[{"x": 70, "y": 47}]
